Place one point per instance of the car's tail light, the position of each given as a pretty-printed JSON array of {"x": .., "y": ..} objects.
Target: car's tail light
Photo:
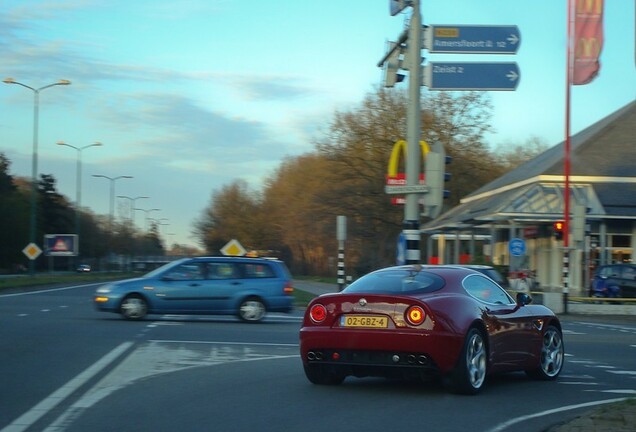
[
  {"x": 288, "y": 288},
  {"x": 415, "y": 315},
  {"x": 318, "y": 313}
]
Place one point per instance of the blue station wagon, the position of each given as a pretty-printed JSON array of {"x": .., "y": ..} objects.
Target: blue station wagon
[{"x": 245, "y": 287}]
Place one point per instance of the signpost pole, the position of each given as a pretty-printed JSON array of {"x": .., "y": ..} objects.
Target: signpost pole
[
  {"x": 341, "y": 235},
  {"x": 411, "y": 224}
]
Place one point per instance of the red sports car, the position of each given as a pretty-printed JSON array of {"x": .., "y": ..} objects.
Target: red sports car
[{"x": 418, "y": 321}]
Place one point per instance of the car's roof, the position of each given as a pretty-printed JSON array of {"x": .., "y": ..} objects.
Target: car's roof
[
  {"x": 434, "y": 268},
  {"x": 232, "y": 258},
  {"x": 450, "y": 278},
  {"x": 475, "y": 266}
]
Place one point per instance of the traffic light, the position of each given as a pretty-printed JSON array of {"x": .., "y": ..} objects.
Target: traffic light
[
  {"x": 557, "y": 228},
  {"x": 435, "y": 177},
  {"x": 397, "y": 6},
  {"x": 392, "y": 64}
]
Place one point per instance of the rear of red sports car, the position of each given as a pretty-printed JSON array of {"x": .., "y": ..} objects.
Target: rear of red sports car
[
  {"x": 374, "y": 335},
  {"x": 415, "y": 321}
]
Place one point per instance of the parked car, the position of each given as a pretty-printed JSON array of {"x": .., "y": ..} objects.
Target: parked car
[
  {"x": 614, "y": 281},
  {"x": 419, "y": 321},
  {"x": 246, "y": 287},
  {"x": 83, "y": 268}
]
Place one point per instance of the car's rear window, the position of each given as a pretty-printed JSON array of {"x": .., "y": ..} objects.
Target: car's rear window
[
  {"x": 398, "y": 281},
  {"x": 494, "y": 275}
]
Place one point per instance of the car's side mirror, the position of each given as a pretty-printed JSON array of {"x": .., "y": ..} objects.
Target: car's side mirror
[{"x": 523, "y": 299}]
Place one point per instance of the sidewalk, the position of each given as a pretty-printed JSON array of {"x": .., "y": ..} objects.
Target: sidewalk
[
  {"x": 615, "y": 417},
  {"x": 316, "y": 288}
]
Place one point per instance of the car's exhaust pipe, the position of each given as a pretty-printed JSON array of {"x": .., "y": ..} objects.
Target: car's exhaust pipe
[{"x": 312, "y": 356}]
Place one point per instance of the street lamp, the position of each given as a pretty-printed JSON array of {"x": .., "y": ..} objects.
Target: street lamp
[
  {"x": 160, "y": 222},
  {"x": 132, "y": 206},
  {"x": 112, "y": 194},
  {"x": 78, "y": 181},
  {"x": 34, "y": 162},
  {"x": 147, "y": 211}
]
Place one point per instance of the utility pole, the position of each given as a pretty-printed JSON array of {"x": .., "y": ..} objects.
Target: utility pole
[{"x": 411, "y": 223}]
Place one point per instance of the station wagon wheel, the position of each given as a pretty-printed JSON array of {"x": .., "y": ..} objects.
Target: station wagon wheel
[
  {"x": 552, "y": 355},
  {"x": 133, "y": 307},
  {"x": 470, "y": 372},
  {"x": 251, "y": 309}
]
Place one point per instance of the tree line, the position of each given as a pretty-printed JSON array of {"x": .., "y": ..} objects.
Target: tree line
[
  {"x": 293, "y": 214},
  {"x": 56, "y": 215}
]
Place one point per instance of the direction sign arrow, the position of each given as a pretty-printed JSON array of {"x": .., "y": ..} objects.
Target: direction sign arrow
[
  {"x": 470, "y": 39},
  {"x": 471, "y": 76}
]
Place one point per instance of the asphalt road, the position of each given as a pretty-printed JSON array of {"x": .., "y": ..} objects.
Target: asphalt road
[{"x": 67, "y": 367}]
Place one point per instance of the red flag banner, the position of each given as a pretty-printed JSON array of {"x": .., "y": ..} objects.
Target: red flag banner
[{"x": 588, "y": 40}]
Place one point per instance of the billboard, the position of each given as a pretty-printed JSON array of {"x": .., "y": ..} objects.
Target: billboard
[{"x": 61, "y": 245}]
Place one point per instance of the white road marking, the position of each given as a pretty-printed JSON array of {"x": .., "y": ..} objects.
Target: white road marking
[
  {"x": 620, "y": 391},
  {"x": 618, "y": 372},
  {"x": 156, "y": 358},
  {"x": 221, "y": 343},
  {"x": 47, "y": 290},
  {"x": 34, "y": 414}
]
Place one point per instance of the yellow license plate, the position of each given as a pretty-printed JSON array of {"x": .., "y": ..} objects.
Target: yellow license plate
[{"x": 373, "y": 321}]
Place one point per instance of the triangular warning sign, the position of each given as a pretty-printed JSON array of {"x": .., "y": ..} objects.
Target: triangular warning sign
[{"x": 60, "y": 246}]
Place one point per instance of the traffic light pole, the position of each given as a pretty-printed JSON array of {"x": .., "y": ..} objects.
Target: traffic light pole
[{"x": 411, "y": 223}]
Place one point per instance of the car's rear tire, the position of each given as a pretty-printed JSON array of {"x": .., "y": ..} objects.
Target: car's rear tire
[
  {"x": 252, "y": 309},
  {"x": 323, "y": 375},
  {"x": 469, "y": 374},
  {"x": 133, "y": 307},
  {"x": 552, "y": 356}
]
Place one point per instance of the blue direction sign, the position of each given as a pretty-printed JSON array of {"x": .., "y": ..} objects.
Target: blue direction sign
[
  {"x": 471, "y": 76},
  {"x": 471, "y": 39}
]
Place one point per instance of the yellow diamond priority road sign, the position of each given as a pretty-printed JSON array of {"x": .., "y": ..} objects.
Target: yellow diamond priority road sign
[
  {"x": 32, "y": 251},
  {"x": 233, "y": 248}
]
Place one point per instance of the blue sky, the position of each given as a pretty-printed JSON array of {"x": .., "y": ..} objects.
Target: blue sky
[{"x": 187, "y": 96}]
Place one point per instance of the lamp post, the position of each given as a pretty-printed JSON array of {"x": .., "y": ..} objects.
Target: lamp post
[
  {"x": 112, "y": 195},
  {"x": 132, "y": 206},
  {"x": 147, "y": 211},
  {"x": 78, "y": 181},
  {"x": 34, "y": 162},
  {"x": 160, "y": 223}
]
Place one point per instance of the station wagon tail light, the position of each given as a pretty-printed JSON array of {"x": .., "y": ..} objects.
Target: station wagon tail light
[
  {"x": 415, "y": 315},
  {"x": 288, "y": 289},
  {"x": 318, "y": 313}
]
